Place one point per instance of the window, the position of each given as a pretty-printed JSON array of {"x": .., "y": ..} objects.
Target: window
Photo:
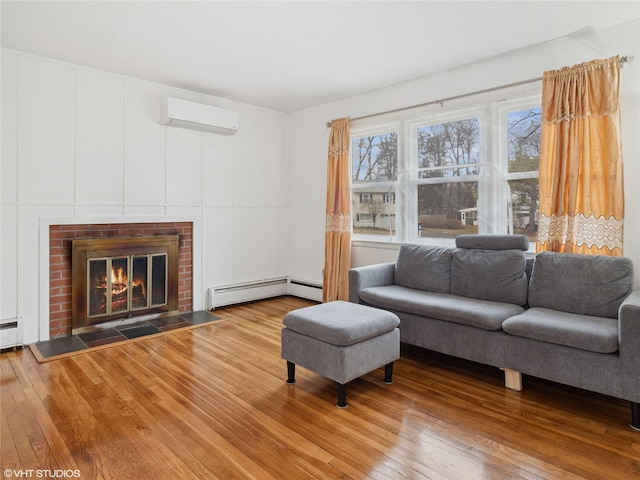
[
  {"x": 445, "y": 172},
  {"x": 523, "y": 154},
  {"x": 447, "y": 191},
  {"x": 374, "y": 163}
]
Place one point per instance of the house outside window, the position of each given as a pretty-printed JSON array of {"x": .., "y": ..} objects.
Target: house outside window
[{"x": 433, "y": 176}]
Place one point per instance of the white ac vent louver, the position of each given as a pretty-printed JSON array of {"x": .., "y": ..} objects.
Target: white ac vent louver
[{"x": 197, "y": 116}]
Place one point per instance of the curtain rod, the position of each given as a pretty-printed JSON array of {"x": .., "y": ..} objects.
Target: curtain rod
[{"x": 623, "y": 60}]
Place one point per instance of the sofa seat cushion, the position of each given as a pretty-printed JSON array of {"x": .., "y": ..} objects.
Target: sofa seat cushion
[
  {"x": 442, "y": 306},
  {"x": 586, "y": 332}
]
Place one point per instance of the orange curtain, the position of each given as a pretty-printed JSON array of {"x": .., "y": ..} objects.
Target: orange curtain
[
  {"x": 337, "y": 248},
  {"x": 581, "y": 190}
]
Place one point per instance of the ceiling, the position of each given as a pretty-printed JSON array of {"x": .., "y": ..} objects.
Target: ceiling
[{"x": 292, "y": 55}]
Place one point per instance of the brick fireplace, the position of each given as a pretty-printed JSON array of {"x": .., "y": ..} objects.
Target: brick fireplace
[{"x": 60, "y": 264}]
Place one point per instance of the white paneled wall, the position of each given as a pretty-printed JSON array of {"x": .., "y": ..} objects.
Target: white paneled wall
[
  {"x": 220, "y": 261},
  {"x": 9, "y": 258},
  {"x": 9, "y": 103},
  {"x": 99, "y": 138},
  {"x": 274, "y": 242},
  {"x": 84, "y": 146},
  {"x": 184, "y": 158},
  {"x": 144, "y": 146},
  {"x": 217, "y": 171},
  {"x": 46, "y": 132}
]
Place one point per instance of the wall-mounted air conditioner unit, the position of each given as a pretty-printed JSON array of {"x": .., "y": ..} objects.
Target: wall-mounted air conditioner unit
[{"x": 196, "y": 116}]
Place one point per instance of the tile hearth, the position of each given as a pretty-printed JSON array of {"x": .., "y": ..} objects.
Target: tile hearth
[{"x": 83, "y": 341}]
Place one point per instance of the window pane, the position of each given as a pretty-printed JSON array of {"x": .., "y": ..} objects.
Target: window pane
[
  {"x": 524, "y": 197},
  {"x": 98, "y": 285},
  {"x": 523, "y": 140},
  {"x": 139, "y": 283},
  {"x": 374, "y": 158},
  {"x": 159, "y": 278},
  {"x": 452, "y": 143},
  {"x": 374, "y": 166},
  {"x": 523, "y": 147},
  {"x": 447, "y": 209},
  {"x": 119, "y": 284},
  {"x": 376, "y": 215}
]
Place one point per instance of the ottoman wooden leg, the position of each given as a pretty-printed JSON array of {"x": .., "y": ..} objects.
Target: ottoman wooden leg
[
  {"x": 291, "y": 372},
  {"x": 342, "y": 395},
  {"x": 388, "y": 373}
]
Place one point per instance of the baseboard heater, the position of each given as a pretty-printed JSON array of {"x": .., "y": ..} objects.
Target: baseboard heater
[
  {"x": 10, "y": 334},
  {"x": 250, "y": 291},
  {"x": 303, "y": 289},
  {"x": 246, "y": 292}
]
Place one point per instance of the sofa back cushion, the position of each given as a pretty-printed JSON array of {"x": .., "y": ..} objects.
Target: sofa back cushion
[
  {"x": 493, "y": 242},
  {"x": 496, "y": 275},
  {"x": 584, "y": 284},
  {"x": 424, "y": 267}
]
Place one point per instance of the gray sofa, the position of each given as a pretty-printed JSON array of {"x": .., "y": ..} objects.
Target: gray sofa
[{"x": 572, "y": 319}]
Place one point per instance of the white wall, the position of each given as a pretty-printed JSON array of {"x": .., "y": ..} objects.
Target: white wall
[
  {"x": 83, "y": 145},
  {"x": 309, "y": 136}
]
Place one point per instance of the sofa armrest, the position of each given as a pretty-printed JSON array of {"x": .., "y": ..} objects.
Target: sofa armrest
[
  {"x": 376, "y": 275},
  {"x": 629, "y": 326}
]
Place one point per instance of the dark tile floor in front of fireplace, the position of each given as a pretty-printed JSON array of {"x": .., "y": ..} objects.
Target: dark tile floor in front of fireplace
[{"x": 83, "y": 341}]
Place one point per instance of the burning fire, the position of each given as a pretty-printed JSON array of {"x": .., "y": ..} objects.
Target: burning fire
[{"x": 119, "y": 282}]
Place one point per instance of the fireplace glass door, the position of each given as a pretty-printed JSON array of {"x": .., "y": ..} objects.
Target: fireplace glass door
[
  {"x": 123, "y": 284},
  {"x": 123, "y": 278}
]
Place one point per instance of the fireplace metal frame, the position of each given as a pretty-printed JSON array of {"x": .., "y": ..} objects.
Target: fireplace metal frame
[{"x": 83, "y": 250}]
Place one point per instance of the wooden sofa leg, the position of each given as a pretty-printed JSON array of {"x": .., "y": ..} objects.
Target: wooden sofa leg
[
  {"x": 512, "y": 379},
  {"x": 635, "y": 415}
]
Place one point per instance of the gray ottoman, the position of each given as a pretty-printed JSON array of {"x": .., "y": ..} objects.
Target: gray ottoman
[{"x": 341, "y": 341}]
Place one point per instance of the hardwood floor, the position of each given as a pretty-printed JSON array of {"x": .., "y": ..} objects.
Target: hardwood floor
[{"x": 212, "y": 402}]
